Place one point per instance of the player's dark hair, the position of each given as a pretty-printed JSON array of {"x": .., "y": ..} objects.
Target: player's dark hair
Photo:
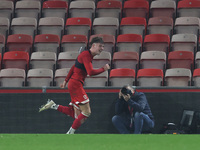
[{"x": 97, "y": 40}]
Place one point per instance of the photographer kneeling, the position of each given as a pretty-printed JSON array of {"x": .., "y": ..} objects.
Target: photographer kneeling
[{"x": 133, "y": 114}]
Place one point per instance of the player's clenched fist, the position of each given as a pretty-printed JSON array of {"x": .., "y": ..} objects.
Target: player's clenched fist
[{"x": 106, "y": 67}]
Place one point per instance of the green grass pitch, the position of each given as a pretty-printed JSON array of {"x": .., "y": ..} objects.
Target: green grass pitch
[{"x": 98, "y": 142}]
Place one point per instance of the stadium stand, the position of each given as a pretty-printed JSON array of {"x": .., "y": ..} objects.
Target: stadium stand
[
  {"x": 184, "y": 42},
  {"x": 160, "y": 25},
  {"x": 16, "y": 59},
  {"x": 39, "y": 77},
  {"x": 106, "y": 25},
  {"x": 47, "y": 43},
  {"x": 60, "y": 75},
  {"x": 100, "y": 80},
  {"x": 109, "y": 9},
  {"x": 136, "y": 9},
  {"x": 2, "y": 44},
  {"x": 55, "y": 9},
  {"x": 125, "y": 60},
  {"x": 121, "y": 76},
  {"x": 178, "y": 77},
  {"x": 82, "y": 9},
  {"x": 43, "y": 60},
  {"x": 78, "y": 25},
  {"x": 181, "y": 59},
  {"x": 7, "y": 9},
  {"x": 129, "y": 42},
  {"x": 74, "y": 42},
  {"x": 156, "y": 42},
  {"x": 102, "y": 59},
  {"x": 67, "y": 59},
  {"x": 197, "y": 60},
  {"x": 196, "y": 77},
  {"x": 24, "y": 25},
  {"x": 133, "y": 25},
  {"x": 28, "y": 9},
  {"x": 188, "y": 25},
  {"x": 153, "y": 59},
  {"x": 163, "y": 8},
  {"x": 4, "y": 26},
  {"x": 188, "y": 8},
  {"x": 150, "y": 77},
  {"x": 12, "y": 77},
  {"x": 19, "y": 42},
  {"x": 51, "y": 25},
  {"x": 132, "y": 29}
]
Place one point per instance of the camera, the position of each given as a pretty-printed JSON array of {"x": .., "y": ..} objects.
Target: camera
[{"x": 126, "y": 91}]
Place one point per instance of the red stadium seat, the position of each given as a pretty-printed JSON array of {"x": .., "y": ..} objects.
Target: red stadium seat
[
  {"x": 150, "y": 77},
  {"x": 16, "y": 59},
  {"x": 160, "y": 25},
  {"x": 129, "y": 42},
  {"x": 181, "y": 59},
  {"x": 80, "y": 26},
  {"x": 19, "y": 42},
  {"x": 136, "y": 8},
  {"x": 125, "y": 60},
  {"x": 133, "y": 25},
  {"x": 196, "y": 77},
  {"x": 109, "y": 9},
  {"x": 188, "y": 8},
  {"x": 74, "y": 42},
  {"x": 156, "y": 42},
  {"x": 122, "y": 76},
  {"x": 47, "y": 43},
  {"x": 55, "y": 9}
]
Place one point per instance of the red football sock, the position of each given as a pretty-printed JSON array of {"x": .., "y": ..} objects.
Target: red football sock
[
  {"x": 79, "y": 120},
  {"x": 66, "y": 110}
]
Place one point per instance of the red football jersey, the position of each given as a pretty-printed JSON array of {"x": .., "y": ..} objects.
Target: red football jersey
[{"x": 83, "y": 67}]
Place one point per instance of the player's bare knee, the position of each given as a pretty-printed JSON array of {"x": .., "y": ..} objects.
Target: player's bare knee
[{"x": 86, "y": 113}]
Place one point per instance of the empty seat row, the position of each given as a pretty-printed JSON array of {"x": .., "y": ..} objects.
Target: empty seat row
[
  {"x": 141, "y": 8},
  {"x": 84, "y": 9},
  {"x": 177, "y": 77},
  {"x": 124, "y": 42},
  {"x": 103, "y": 25},
  {"x": 131, "y": 60}
]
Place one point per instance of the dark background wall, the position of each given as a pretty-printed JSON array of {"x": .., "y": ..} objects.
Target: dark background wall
[{"x": 19, "y": 111}]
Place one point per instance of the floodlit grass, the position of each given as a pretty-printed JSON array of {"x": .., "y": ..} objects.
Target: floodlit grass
[{"x": 98, "y": 142}]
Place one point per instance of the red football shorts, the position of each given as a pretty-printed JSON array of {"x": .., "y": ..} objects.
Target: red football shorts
[{"x": 77, "y": 93}]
